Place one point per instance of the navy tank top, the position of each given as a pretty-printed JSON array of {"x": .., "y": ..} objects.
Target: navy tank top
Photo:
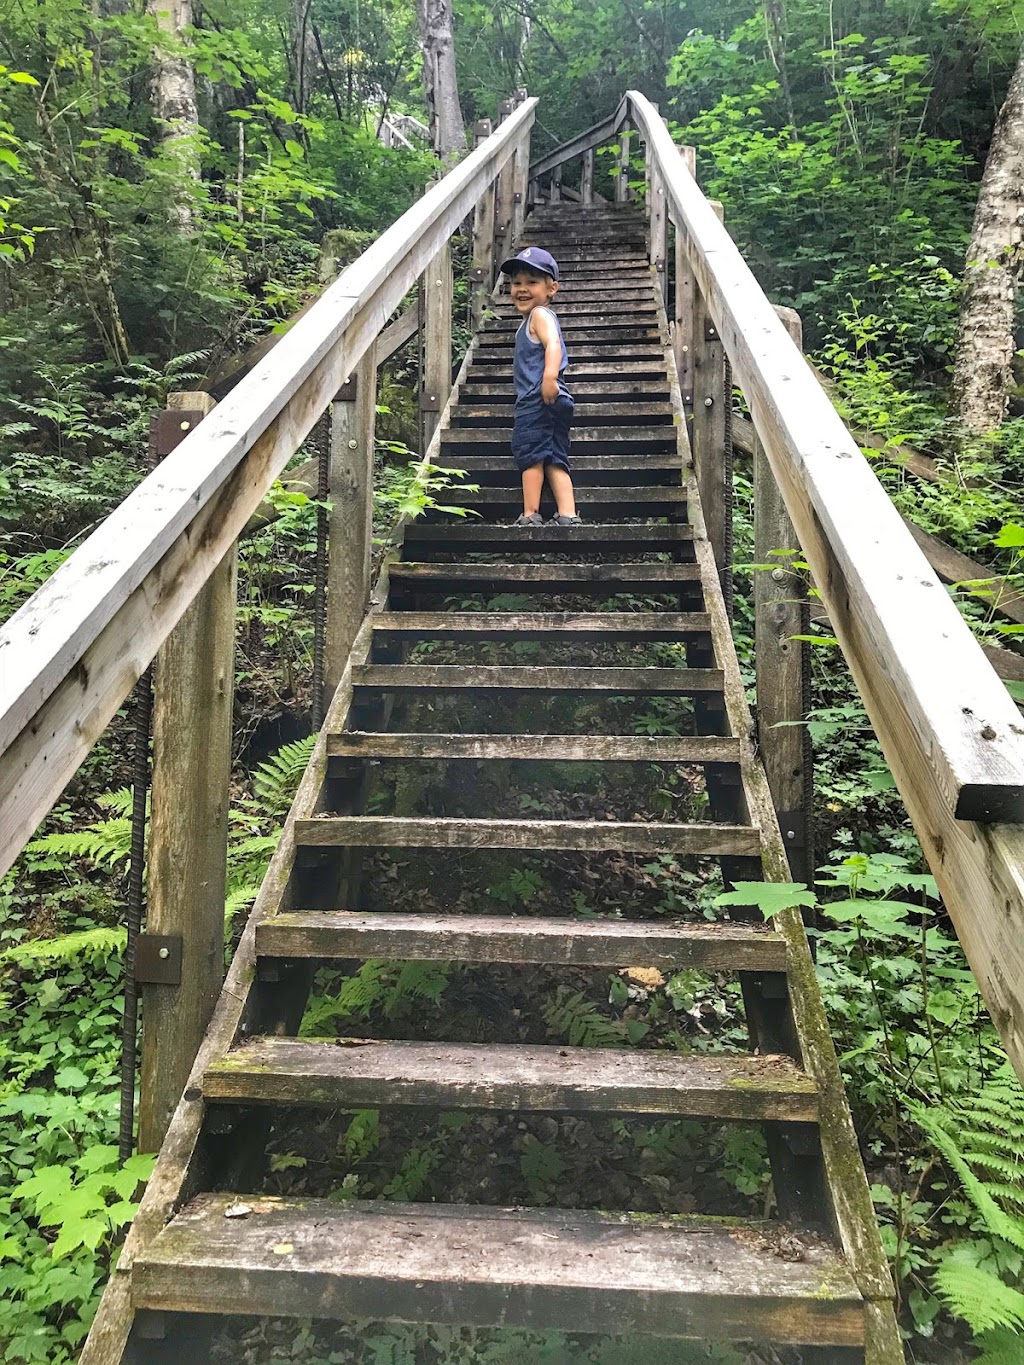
[{"x": 528, "y": 361}]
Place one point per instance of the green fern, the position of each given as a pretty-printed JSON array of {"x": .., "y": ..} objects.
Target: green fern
[
  {"x": 571, "y": 1015},
  {"x": 92, "y": 943},
  {"x": 275, "y": 781},
  {"x": 105, "y": 843},
  {"x": 981, "y": 1298},
  {"x": 387, "y": 987}
]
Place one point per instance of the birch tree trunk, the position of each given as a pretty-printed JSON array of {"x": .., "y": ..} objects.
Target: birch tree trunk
[
  {"x": 984, "y": 344},
  {"x": 303, "y": 53},
  {"x": 447, "y": 131},
  {"x": 174, "y": 99}
]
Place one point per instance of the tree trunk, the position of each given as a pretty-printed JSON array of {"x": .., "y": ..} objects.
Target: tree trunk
[
  {"x": 447, "y": 131},
  {"x": 303, "y": 54},
  {"x": 984, "y": 345},
  {"x": 174, "y": 99}
]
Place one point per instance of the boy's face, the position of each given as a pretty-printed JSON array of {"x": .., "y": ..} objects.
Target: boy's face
[{"x": 531, "y": 289}]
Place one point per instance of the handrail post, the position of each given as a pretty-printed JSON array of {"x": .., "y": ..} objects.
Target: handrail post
[
  {"x": 520, "y": 187},
  {"x": 555, "y": 194},
  {"x": 659, "y": 228},
  {"x": 684, "y": 305},
  {"x": 436, "y": 286},
  {"x": 505, "y": 195},
  {"x": 350, "y": 485},
  {"x": 622, "y": 174},
  {"x": 709, "y": 431},
  {"x": 180, "y": 957},
  {"x": 587, "y": 178},
  {"x": 482, "y": 271},
  {"x": 782, "y": 663}
]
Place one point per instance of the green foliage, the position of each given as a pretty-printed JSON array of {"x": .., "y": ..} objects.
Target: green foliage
[{"x": 275, "y": 781}]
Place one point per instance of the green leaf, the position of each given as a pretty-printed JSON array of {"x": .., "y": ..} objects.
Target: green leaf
[
  {"x": 1010, "y": 536},
  {"x": 21, "y": 78},
  {"x": 295, "y": 149},
  {"x": 771, "y": 898}
]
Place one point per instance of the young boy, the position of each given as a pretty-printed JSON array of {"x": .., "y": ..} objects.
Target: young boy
[{"x": 544, "y": 406}]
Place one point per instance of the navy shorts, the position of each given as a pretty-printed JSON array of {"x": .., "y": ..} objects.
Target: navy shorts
[{"x": 540, "y": 431}]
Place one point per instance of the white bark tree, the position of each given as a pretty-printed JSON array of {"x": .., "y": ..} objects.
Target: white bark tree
[
  {"x": 447, "y": 130},
  {"x": 984, "y": 344},
  {"x": 174, "y": 98}
]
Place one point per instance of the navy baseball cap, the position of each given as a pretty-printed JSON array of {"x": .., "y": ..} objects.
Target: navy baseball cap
[{"x": 535, "y": 257}]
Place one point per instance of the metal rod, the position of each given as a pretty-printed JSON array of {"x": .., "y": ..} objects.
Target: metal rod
[
  {"x": 320, "y": 585},
  {"x": 136, "y": 897}
]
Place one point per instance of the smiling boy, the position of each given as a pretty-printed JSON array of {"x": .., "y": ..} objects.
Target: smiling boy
[{"x": 544, "y": 406}]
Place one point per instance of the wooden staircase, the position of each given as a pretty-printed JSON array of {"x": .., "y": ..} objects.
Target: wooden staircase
[{"x": 814, "y": 1277}]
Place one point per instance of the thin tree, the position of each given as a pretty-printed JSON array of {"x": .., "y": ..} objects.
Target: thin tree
[
  {"x": 447, "y": 130},
  {"x": 985, "y": 345},
  {"x": 174, "y": 98}
]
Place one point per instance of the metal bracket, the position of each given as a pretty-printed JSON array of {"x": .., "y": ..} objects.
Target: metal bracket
[
  {"x": 478, "y": 274},
  {"x": 659, "y": 265},
  {"x": 167, "y": 429},
  {"x": 158, "y": 959},
  {"x": 348, "y": 390},
  {"x": 687, "y": 400},
  {"x": 793, "y": 824},
  {"x": 710, "y": 330},
  {"x": 430, "y": 402},
  {"x": 517, "y": 198}
]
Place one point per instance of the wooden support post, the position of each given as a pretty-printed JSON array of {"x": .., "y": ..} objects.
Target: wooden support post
[
  {"x": 353, "y": 414},
  {"x": 587, "y": 177},
  {"x": 683, "y": 306},
  {"x": 520, "y": 186},
  {"x": 481, "y": 275},
  {"x": 180, "y": 957},
  {"x": 659, "y": 229},
  {"x": 622, "y": 177},
  {"x": 436, "y": 285},
  {"x": 709, "y": 429},
  {"x": 782, "y": 663},
  {"x": 504, "y": 199},
  {"x": 555, "y": 195}
]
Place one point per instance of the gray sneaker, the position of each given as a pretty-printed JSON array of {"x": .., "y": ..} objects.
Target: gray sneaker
[
  {"x": 561, "y": 519},
  {"x": 529, "y": 519}
]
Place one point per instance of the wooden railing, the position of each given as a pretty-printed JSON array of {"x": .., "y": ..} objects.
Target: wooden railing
[
  {"x": 952, "y": 736},
  {"x": 157, "y": 580}
]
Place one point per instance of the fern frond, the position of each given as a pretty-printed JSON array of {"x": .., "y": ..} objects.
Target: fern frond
[
  {"x": 106, "y": 843},
  {"x": 571, "y": 1015},
  {"x": 67, "y": 947},
  {"x": 979, "y": 1297},
  {"x": 276, "y": 780},
  {"x": 999, "y": 1347}
]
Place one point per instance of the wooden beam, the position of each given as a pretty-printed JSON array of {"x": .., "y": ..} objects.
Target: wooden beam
[
  {"x": 587, "y": 177},
  {"x": 781, "y": 661},
  {"x": 436, "y": 287},
  {"x": 622, "y": 192},
  {"x": 353, "y": 414},
  {"x": 659, "y": 230},
  {"x": 71, "y": 654},
  {"x": 483, "y": 267},
  {"x": 582, "y": 142},
  {"x": 708, "y": 433},
  {"x": 950, "y": 732},
  {"x": 684, "y": 305}
]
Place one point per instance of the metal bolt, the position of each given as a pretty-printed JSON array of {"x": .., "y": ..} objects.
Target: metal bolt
[
  {"x": 164, "y": 952},
  {"x": 711, "y": 333},
  {"x": 352, "y": 445},
  {"x": 779, "y": 575},
  {"x": 685, "y": 349},
  {"x": 709, "y": 402},
  {"x": 185, "y": 426}
]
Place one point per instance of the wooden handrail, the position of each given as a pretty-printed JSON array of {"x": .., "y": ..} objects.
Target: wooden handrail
[
  {"x": 582, "y": 142},
  {"x": 950, "y": 733},
  {"x": 71, "y": 654}
]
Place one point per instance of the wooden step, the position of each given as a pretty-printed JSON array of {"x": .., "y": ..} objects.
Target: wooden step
[
  {"x": 603, "y": 357},
  {"x": 550, "y": 626},
  {"x": 363, "y": 744},
  {"x": 476, "y": 535},
  {"x": 570, "y": 578},
  {"x": 548, "y": 679},
  {"x": 622, "y": 415},
  {"x": 327, "y": 935},
  {"x": 582, "y": 836},
  {"x": 610, "y": 333},
  {"x": 474, "y": 393},
  {"x": 596, "y": 440},
  {"x": 497, "y": 503},
  {"x": 376, "y": 1075},
  {"x": 647, "y": 469},
  {"x": 545, "y": 1269}
]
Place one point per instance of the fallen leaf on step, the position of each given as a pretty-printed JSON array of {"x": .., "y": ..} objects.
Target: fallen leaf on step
[
  {"x": 645, "y": 976},
  {"x": 238, "y": 1211},
  {"x": 283, "y": 1248}
]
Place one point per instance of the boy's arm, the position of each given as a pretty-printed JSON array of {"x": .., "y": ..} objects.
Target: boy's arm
[{"x": 546, "y": 332}]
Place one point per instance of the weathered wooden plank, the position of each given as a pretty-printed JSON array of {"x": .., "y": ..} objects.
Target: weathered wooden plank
[
  {"x": 957, "y": 728},
  {"x": 537, "y": 678},
  {"x": 609, "y": 333},
  {"x": 587, "y": 836},
  {"x": 550, "y": 1270},
  {"x": 537, "y": 748},
  {"x": 482, "y": 269},
  {"x": 283, "y": 1071},
  {"x": 608, "y": 390},
  {"x": 542, "y": 577},
  {"x": 622, "y": 439},
  {"x": 625, "y": 415},
  {"x": 653, "y": 538},
  {"x": 70, "y": 655},
  {"x": 550, "y": 626},
  {"x": 436, "y": 383},
  {"x": 327, "y": 934}
]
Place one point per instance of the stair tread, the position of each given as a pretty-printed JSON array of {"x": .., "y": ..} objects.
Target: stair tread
[
  {"x": 538, "y": 678},
  {"x": 367, "y": 1074},
  {"x": 604, "y": 575},
  {"x": 533, "y": 748},
  {"x": 553, "y": 537},
  {"x": 654, "y": 625},
  {"x": 551, "y": 1269},
  {"x": 491, "y": 435},
  {"x": 327, "y": 934},
  {"x": 625, "y": 495},
  {"x": 399, "y": 831}
]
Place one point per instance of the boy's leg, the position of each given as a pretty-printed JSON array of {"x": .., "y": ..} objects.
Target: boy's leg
[
  {"x": 561, "y": 487},
  {"x": 533, "y": 486}
]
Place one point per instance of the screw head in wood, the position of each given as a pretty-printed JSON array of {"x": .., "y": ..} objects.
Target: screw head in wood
[
  {"x": 164, "y": 953},
  {"x": 709, "y": 402},
  {"x": 352, "y": 445}
]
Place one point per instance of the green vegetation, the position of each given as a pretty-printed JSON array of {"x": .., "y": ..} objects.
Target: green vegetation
[{"x": 845, "y": 142}]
